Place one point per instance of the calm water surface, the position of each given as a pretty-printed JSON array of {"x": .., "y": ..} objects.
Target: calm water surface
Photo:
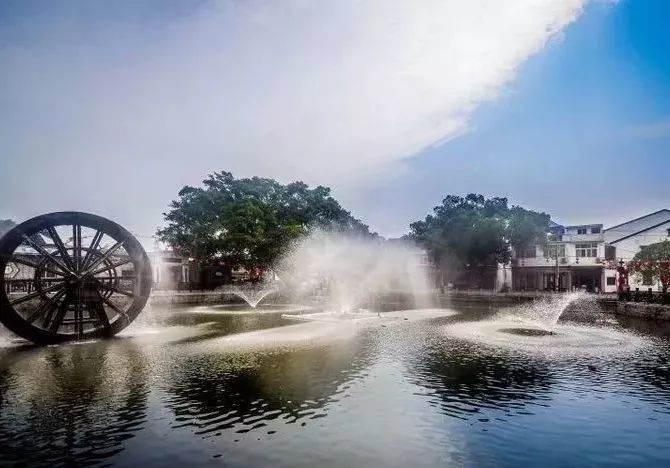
[{"x": 407, "y": 395}]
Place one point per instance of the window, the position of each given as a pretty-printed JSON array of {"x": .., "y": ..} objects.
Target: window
[
  {"x": 527, "y": 253},
  {"x": 587, "y": 250},
  {"x": 550, "y": 251},
  {"x": 647, "y": 278},
  {"x": 49, "y": 274},
  {"x": 581, "y": 231},
  {"x": 611, "y": 281},
  {"x": 610, "y": 252},
  {"x": 595, "y": 230}
]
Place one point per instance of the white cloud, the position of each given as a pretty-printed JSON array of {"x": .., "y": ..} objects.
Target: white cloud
[{"x": 334, "y": 92}]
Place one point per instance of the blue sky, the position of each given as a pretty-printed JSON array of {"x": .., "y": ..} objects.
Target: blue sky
[
  {"x": 583, "y": 133},
  {"x": 562, "y": 107}
]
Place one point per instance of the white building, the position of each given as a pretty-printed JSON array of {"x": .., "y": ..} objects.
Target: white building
[
  {"x": 626, "y": 239},
  {"x": 588, "y": 255},
  {"x": 579, "y": 264},
  {"x": 170, "y": 269}
]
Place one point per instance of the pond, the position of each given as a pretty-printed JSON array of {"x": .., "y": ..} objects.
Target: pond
[{"x": 177, "y": 388}]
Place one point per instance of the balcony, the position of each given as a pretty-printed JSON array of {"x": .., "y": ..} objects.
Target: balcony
[{"x": 584, "y": 237}]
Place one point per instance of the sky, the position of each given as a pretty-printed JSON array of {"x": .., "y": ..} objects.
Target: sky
[{"x": 560, "y": 106}]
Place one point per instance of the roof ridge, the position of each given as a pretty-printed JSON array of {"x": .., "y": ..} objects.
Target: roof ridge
[
  {"x": 638, "y": 219},
  {"x": 641, "y": 231}
]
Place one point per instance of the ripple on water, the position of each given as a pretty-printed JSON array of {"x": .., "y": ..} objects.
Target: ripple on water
[{"x": 562, "y": 339}]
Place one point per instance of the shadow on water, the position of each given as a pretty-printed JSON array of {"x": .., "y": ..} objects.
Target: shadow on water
[
  {"x": 217, "y": 326},
  {"x": 243, "y": 392},
  {"x": 465, "y": 380},
  {"x": 70, "y": 405}
]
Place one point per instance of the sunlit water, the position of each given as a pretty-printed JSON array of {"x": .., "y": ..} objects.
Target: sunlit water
[{"x": 407, "y": 393}]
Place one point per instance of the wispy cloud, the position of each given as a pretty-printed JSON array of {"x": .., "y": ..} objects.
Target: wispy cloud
[{"x": 335, "y": 92}]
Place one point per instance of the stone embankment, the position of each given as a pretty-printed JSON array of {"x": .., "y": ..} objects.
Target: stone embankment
[
  {"x": 644, "y": 310},
  {"x": 609, "y": 302}
]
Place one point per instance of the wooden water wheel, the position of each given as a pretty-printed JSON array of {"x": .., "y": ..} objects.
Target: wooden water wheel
[{"x": 71, "y": 275}]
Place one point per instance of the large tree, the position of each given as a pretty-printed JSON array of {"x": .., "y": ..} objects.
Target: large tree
[
  {"x": 654, "y": 260},
  {"x": 478, "y": 231},
  {"x": 249, "y": 222}
]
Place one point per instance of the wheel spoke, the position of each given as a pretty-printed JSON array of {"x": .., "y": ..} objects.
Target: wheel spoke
[
  {"x": 36, "y": 266},
  {"x": 112, "y": 266},
  {"x": 108, "y": 253},
  {"x": 60, "y": 315},
  {"x": 117, "y": 290},
  {"x": 35, "y": 294},
  {"x": 76, "y": 244},
  {"x": 58, "y": 242},
  {"x": 115, "y": 308},
  {"x": 45, "y": 307},
  {"x": 92, "y": 248},
  {"x": 42, "y": 251}
]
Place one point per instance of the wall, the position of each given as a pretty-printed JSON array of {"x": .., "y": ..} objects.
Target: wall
[{"x": 627, "y": 248}]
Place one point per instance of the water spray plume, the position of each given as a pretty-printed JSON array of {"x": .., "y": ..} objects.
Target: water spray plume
[
  {"x": 252, "y": 293},
  {"x": 345, "y": 273}
]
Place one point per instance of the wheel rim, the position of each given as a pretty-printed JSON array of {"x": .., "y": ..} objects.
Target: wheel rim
[{"x": 74, "y": 275}]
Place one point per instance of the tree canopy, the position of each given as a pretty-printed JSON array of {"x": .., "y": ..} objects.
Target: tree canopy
[
  {"x": 478, "y": 231},
  {"x": 249, "y": 222}
]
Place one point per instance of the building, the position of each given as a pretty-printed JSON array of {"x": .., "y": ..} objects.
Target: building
[
  {"x": 574, "y": 257},
  {"x": 626, "y": 239},
  {"x": 586, "y": 256},
  {"x": 169, "y": 270}
]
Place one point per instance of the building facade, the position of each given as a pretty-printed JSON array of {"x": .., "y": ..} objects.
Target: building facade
[
  {"x": 169, "y": 270},
  {"x": 586, "y": 256},
  {"x": 626, "y": 239},
  {"x": 573, "y": 258}
]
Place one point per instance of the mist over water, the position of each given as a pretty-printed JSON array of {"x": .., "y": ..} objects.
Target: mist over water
[
  {"x": 345, "y": 273},
  {"x": 561, "y": 325}
]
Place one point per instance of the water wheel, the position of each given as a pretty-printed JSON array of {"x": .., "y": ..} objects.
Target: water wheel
[{"x": 71, "y": 275}]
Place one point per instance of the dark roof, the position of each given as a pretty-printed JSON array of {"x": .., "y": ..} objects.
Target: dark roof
[
  {"x": 638, "y": 219},
  {"x": 667, "y": 221}
]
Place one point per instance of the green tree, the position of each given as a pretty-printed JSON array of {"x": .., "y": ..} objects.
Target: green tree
[
  {"x": 249, "y": 222},
  {"x": 654, "y": 260},
  {"x": 477, "y": 231}
]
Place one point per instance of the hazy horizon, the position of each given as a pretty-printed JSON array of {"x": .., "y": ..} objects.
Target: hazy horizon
[{"x": 560, "y": 106}]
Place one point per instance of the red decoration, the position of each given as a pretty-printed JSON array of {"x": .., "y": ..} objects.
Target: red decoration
[{"x": 623, "y": 277}]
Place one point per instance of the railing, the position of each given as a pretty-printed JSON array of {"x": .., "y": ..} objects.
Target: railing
[
  {"x": 648, "y": 296},
  {"x": 24, "y": 285}
]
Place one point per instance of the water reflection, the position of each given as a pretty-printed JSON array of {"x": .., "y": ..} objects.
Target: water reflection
[
  {"x": 399, "y": 395},
  {"x": 74, "y": 404},
  {"x": 464, "y": 379},
  {"x": 246, "y": 391}
]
